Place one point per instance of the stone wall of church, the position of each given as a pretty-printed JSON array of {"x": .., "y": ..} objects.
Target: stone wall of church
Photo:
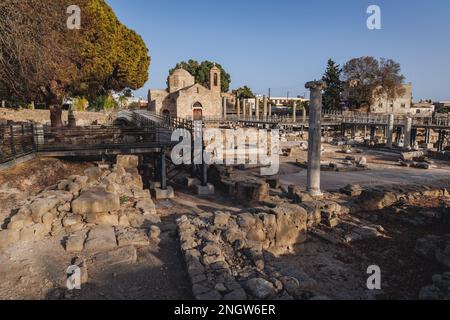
[{"x": 211, "y": 102}]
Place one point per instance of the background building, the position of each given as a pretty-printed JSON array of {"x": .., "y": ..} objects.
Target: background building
[{"x": 187, "y": 99}]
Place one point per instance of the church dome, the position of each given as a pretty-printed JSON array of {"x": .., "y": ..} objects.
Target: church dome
[
  {"x": 180, "y": 79},
  {"x": 181, "y": 73}
]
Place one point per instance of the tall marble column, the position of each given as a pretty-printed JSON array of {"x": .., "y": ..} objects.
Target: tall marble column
[
  {"x": 244, "y": 109},
  {"x": 304, "y": 114},
  {"x": 257, "y": 108},
  {"x": 315, "y": 137},
  {"x": 224, "y": 107},
  {"x": 294, "y": 112},
  {"x": 390, "y": 131},
  {"x": 265, "y": 101},
  {"x": 238, "y": 107},
  {"x": 408, "y": 128}
]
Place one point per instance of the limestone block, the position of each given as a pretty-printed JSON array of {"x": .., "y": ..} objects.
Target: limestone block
[
  {"x": 82, "y": 181},
  {"x": 34, "y": 232},
  {"x": 374, "y": 199},
  {"x": 96, "y": 201},
  {"x": 161, "y": 194},
  {"x": 127, "y": 161},
  {"x": 75, "y": 242},
  {"x": 93, "y": 174},
  {"x": 260, "y": 288},
  {"x": 221, "y": 219},
  {"x": 43, "y": 205},
  {"x": 146, "y": 206},
  {"x": 101, "y": 238},
  {"x": 133, "y": 181},
  {"x": 71, "y": 220},
  {"x": 291, "y": 225}
]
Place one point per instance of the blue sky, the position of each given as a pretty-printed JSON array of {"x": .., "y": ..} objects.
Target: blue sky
[{"x": 281, "y": 44}]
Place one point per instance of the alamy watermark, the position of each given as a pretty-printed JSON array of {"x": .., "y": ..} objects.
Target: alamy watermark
[
  {"x": 74, "y": 19},
  {"x": 374, "y": 20},
  {"x": 374, "y": 280},
  {"x": 74, "y": 278},
  {"x": 230, "y": 147}
]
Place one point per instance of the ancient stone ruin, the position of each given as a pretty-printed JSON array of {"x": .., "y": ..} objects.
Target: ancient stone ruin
[{"x": 102, "y": 210}]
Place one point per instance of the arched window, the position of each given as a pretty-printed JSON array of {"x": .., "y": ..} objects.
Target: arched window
[{"x": 216, "y": 80}]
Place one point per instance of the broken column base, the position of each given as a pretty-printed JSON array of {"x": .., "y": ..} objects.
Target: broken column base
[
  {"x": 316, "y": 194},
  {"x": 204, "y": 190},
  {"x": 161, "y": 194}
]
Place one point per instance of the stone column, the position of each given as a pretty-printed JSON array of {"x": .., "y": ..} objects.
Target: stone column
[
  {"x": 304, "y": 115},
  {"x": 270, "y": 110},
  {"x": 315, "y": 137},
  {"x": 238, "y": 107},
  {"x": 398, "y": 135},
  {"x": 265, "y": 101},
  {"x": 294, "y": 112},
  {"x": 244, "y": 109},
  {"x": 224, "y": 107},
  {"x": 72, "y": 122},
  {"x": 408, "y": 128},
  {"x": 390, "y": 131},
  {"x": 257, "y": 108},
  {"x": 428, "y": 136}
]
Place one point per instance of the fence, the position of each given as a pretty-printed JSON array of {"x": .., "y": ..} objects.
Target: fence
[{"x": 16, "y": 141}]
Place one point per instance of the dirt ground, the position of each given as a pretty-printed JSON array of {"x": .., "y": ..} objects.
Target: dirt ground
[{"x": 38, "y": 271}]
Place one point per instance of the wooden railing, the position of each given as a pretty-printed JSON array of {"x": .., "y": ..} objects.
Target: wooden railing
[{"x": 16, "y": 141}]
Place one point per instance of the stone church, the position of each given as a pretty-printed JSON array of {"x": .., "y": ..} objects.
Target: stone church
[{"x": 187, "y": 99}]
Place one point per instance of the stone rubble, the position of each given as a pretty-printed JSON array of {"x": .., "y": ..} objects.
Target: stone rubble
[{"x": 100, "y": 211}]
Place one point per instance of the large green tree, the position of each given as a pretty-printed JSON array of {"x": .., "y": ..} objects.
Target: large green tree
[
  {"x": 332, "y": 94},
  {"x": 201, "y": 72},
  {"x": 45, "y": 61},
  {"x": 244, "y": 93},
  {"x": 368, "y": 78}
]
